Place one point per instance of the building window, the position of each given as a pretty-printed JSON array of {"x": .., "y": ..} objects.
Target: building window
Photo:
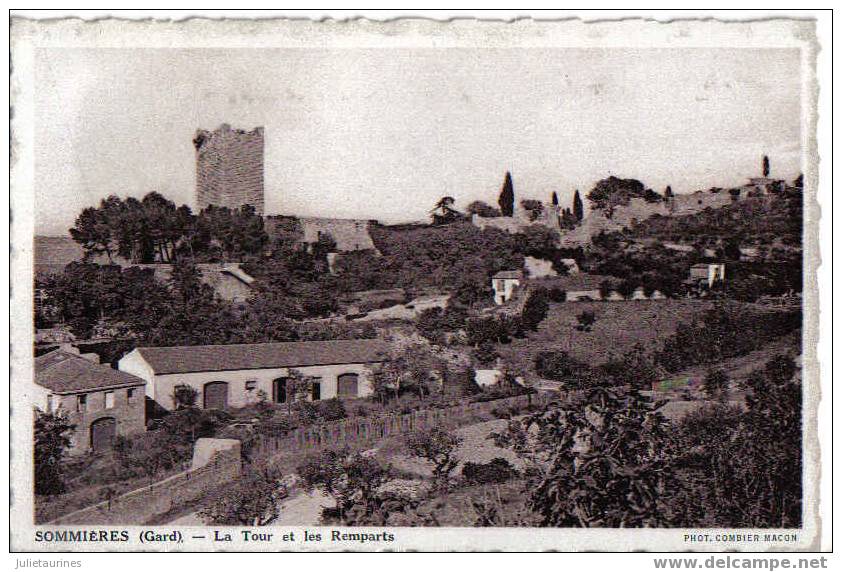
[
  {"x": 316, "y": 389},
  {"x": 251, "y": 385},
  {"x": 109, "y": 399},
  {"x": 130, "y": 394},
  {"x": 82, "y": 403}
]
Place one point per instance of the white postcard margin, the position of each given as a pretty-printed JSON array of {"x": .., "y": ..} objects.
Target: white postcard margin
[{"x": 27, "y": 36}]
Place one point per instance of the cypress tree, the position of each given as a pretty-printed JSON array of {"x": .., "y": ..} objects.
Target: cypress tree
[
  {"x": 668, "y": 192},
  {"x": 766, "y": 168},
  {"x": 555, "y": 199},
  {"x": 507, "y": 197},
  {"x": 578, "y": 207}
]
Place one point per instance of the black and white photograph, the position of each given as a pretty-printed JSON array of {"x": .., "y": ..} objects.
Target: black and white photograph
[{"x": 314, "y": 286}]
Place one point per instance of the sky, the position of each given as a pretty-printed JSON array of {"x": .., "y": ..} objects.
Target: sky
[{"x": 384, "y": 133}]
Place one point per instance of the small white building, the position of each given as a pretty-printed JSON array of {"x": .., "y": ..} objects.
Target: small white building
[
  {"x": 487, "y": 377},
  {"x": 708, "y": 273},
  {"x": 227, "y": 376},
  {"x": 505, "y": 283}
]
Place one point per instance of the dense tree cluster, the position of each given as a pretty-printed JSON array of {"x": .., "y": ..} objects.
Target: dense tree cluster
[
  {"x": 153, "y": 229},
  {"x": 442, "y": 257},
  {"x": 743, "y": 469},
  {"x": 612, "y": 192}
]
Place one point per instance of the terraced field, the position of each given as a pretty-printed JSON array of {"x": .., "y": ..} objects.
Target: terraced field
[{"x": 618, "y": 327}]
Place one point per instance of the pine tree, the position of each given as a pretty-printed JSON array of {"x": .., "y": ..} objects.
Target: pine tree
[
  {"x": 766, "y": 168},
  {"x": 555, "y": 199},
  {"x": 578, "y": 207},
  {"x": 507, "y": 197}
]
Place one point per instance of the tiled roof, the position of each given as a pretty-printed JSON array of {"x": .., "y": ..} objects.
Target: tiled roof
[
  {"x": 511, "y": 274},
  {"x": 185, "y": 359},
  {"x": 63, "y": 372}
]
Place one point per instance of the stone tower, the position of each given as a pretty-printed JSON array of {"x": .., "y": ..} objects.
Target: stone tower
[{"x": 229, "y": 168}]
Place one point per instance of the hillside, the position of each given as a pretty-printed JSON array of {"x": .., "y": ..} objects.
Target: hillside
[
  {"x": 704, "y": 212},
  {"x": 53, "y": 253},
  {"x": 773, "y": 220},
  {"x": 618, "y": 327}
]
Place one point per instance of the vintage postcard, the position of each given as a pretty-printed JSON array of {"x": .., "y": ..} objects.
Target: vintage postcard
[{"x": 288, "y": 285}]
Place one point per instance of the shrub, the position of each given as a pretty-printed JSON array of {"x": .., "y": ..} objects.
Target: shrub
[
  {"x": 586, "y": 320},
  {"x": 557, "y": 295},
  {"x": 436, "y": 445},
  {"x": 493, "y": 330},
  {"x": 636, "y": 368},
  {"x": 626, "y": 288},
  {"x": 556, "y": 365},
  {"x": 715, "y": 384},
  {"x": 251, "y": 500},
  {"x": 498, "y": 470},
  {"x": 432, "y": 323},
  {"x": 331, "y": 409},
  {"x": 485, "y": 354},
  {"x": 52, "y": 440},
  {"x": 535, "y": 309},
  {"x": 504, "y": 412}
]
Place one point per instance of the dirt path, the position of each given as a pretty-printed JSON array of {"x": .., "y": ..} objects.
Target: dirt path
[{"x": 298, "y": 510}]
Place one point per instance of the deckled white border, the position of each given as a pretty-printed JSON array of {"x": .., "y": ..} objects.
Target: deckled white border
[{"x": 27, "y": 36}]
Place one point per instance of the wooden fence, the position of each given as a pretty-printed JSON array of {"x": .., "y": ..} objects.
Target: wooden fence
[{"x": 139, "y": 505}]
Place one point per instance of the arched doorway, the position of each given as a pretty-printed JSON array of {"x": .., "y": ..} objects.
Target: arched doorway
[
  {"x": 103, "y": 432},
  {"x": 216, "y": 395},
  {"x": 347, "y": 385}
]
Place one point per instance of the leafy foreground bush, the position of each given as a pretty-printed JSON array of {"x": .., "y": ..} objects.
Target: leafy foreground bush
[
  {"x": 251, "y": 500},
  {"x": 437, "y": 446},
  {"x": 606, "y": 457},
  {"x": 498, "y": 470}
]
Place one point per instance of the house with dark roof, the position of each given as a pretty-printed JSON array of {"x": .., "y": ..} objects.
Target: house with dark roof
[
  {"x": 226, "y": 376},
  {"x": 103, "y": 403}
]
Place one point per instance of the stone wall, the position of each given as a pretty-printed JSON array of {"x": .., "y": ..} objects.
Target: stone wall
[
  {"x": 141, "y": 505},
  {"x": 350, "y": 234},
  {"x": 548, "y": 218},
  {"x": 638, "y": 210},
  {"x": 229, "y": 168}
]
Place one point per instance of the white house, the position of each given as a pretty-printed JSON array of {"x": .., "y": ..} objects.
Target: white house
[
  {"x": 708, "y": 273},
  {"x": 487, "y": 377},
  {"x": 505, "y": 284},
  {"x": 233, "y": 375}
]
